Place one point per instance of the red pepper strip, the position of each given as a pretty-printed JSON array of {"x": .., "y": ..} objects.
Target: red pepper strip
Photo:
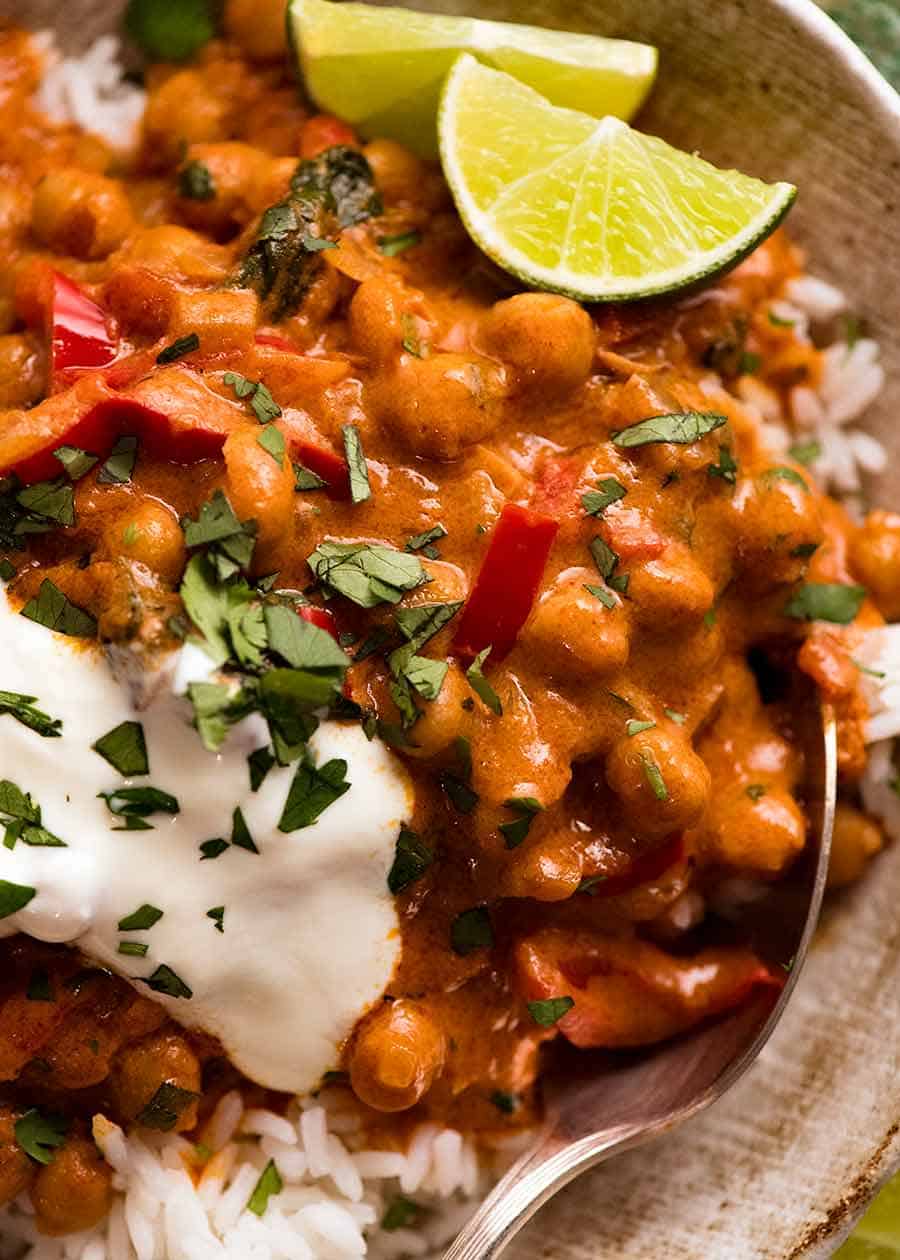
[
  {"x": 556, "y": 487},
  {"x": 327, "y": 465},
  {"x": 79, "y": 341},
  {"x": 507, "y": 583},
  {"x": 276, "y": 342},
  {"x": 631, "y": 535},
  {"x": 629, "y": 992},
  {"x": 644, "y": 869},
  {"x": 324, "y": 131},
  {"x": 320, "y": 617}
]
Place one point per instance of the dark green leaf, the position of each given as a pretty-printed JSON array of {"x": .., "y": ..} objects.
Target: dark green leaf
[
  {"x": 471, "y": 931},
  {"x": 40, "y": 1136},
  {"x": 7, "y": 570},
  {"x": 401, "y": 1213},
  {"x": 806, "y": 453},
  {"x": 360, "y": 490},
  {"x": 726, "y": 468},
  {"x": 803, "y": 551},
  {"x": 271, "y": 439},
  {"x": 53, "y": 610},
  {"x": 315, "y": 244},
  {"x": 169, "y": 32},
  {"x": 217, "y": 707},
  {"x": 50, "y": 500},
  {"x": 195, "y": 182},
  {"x": 118, "y": 469},
  {"x": 425, "y": 542},
  {"x": 302, "y": 644},
  {"x": 215, "y": 521},
  {"x": 608, "y": 491},
  {"x": 681, "y": 427},
  {"x": 141, "y": 919},
  {"x": 125, "y": 748},
  {"x": 605, "y": 558},
  {"x": 212, "y": 849},
  {"x": 755, "y": 791},
  {"x": 507, "y": 1103},
  {"x": 133, "y": 949},
  {"x": 269, "y": 1184},
  {"x": 391, "y": 246},
  {"x": 548, "y": 1012},
  {"x": 412, "y": 859},
  {"x": 217, "y": 914},
  {"x": 604, "y": 596},
  {"x": 783, "y": 473},
  {"x": 750, "y": 363},
  {"x": 306, "y": 480},
  {"x": 366, "y": 573},
  {"x": 527, "y": 808},
  {"x": 653, "y": 775},
  {"x": 240, "y": 832},
  {"x": 165, "y": 980},
  {"x": 419, "y": 625},
  {"x": 75, "y": 461},
  {"x": 263, "y": 405},
  {"x": 461, "y": 796},
  {"x": 166, "y": 1107},
  {"x": 22, "y": 709},
  {"x": 15, "y": 803},
  {"x": 590, "y": 883},
  {"x": 480, "y": 684},
  {"x": 826, "y": 601},
  {"x": 425, "y": 675},
  {"x": 139, "y": 802},
  {"x": 260, "y": 763},
  {"x": 314, "y": 788},
  {"x": 777, "y": 322},
  {"x": 14, "y": 897},
  {"x": 178, "y": 348},
  {"x": 619, "y": 582},
  {"x": 635, "y": 727}
]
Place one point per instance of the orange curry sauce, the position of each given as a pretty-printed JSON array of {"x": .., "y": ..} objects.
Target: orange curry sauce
[{"x": 479, "y": 408}]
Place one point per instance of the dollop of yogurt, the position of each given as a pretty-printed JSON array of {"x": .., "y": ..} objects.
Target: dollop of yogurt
[{"x": 310, "y": 935}]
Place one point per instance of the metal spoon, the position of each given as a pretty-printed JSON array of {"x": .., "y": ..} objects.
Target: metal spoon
[{"x": 597, "y": 1106}]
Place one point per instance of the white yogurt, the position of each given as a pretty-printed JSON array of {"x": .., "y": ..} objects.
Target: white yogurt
[{"x": 311, "y": 936}]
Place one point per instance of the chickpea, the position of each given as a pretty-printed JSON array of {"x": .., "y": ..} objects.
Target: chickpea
[
  {"x": 236, "y": 171},
  {"x": 672, "y": 589},
  {"x": 442, "y": 718},
  {"x": 571, "y": 630},
  {"x": 16, "y": 1169},
  {"x": 15, "y": 207},
  {"x": 152, "y": 536},
  {"x": 259, "y": 489},
  {"x": 162, "y": 1058},
  {"x": 259, "y": 26},
  {"x": 663, "y": 783},
  {"x": 398, "y": 1053},
  {"x": 760, "y": 834},
  {"x": 549, "y": 870},
  {"x": 224, "y": 320},
  {"x": 22, "y": 372},
  {"x": 79, "y": 213},
  {"x": 547, "y": 340},
  {"x": 73, "y": 1192},
  {"x": 855, "y": 842},
  {"x": 780, "y": 521},
  {"x": 182, "y": 111},
  {"x": 875, "y": 554},
  {"x": 376, "y": 318},
  {"x": 399, "y": 174},
  {"x": 441, "y": 404}
]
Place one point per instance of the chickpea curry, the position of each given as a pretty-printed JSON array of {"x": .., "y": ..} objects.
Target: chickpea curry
[{"x": 260, "y": 390}]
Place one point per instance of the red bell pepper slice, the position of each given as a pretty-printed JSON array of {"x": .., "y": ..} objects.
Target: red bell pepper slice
[
  {"x": 324, "y": 131},
  {"x": 644, "y": 869},
  {"x": 320, "y": 617},
  {"x": 79, "y": 339},
  {"x": 631, "y": 535},
  {"x": 507, "y": 583},
  {"x": 629, "y": 992},
  {"x": 327, "y": 465}
]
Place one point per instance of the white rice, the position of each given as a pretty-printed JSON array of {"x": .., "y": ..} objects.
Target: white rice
[{"x": 336, "y": 1190}]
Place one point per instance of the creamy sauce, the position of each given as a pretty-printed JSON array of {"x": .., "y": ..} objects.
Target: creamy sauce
[{"x": 310, "y": 936}]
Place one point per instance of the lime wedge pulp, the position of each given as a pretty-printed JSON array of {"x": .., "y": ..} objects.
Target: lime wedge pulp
[
  {"x": 591, "y": 209},
  {"x": 877, "y": 1236},
  {"x": 382, "y": 69}
]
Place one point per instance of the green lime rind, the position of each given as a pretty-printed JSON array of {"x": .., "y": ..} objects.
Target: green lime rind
[
  {"x": 591, "y": 209},
  {"x": 383, "y": 69}
]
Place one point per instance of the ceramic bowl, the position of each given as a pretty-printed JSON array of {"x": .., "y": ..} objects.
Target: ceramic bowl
[{"x": 784, "y": 1164}]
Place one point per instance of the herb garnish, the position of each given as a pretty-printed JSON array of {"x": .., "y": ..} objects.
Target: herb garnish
[
  {"x": 260, "y": 763},
  {"x": 606, "y": 598},
  {"x": 391, "y": 246},
  {"x": 673, "y": 716},
  {"x": 40, "y": 1136},
  {"x": 125, "y": 748},
  {"x": 527, "y": 808},
  {"x": 425, "y": 541},
  {"x": 653, "y": 775},
  {"x": 805, "y": 453},
  {"x": 305, "y": 479},
  {"x": 635, "y": 727},
  {"x": 263, "y": 405},
  {"x": 165, "y": 1108},
  {"x": 269, "y": 1184},
  {"x": 51, "y": 502},
  {"x": 75, "y": 461},
  {"x": 360, "y": 490},
  {"x": 549, "y": 1011},
  {"x": 681, "y": 427},
  {"x": 140, "y": 920},
  {"x": 118, "y": 469},
  {"x": 480, "y": 684},
  {"x": 726, "y": 468},
  {"x": 213, "y": 849},
  {"x": 401, "y": 1213},
  {"x": 826, "y": 601},
  {"x": 755, "y": 791},
  {"x": 14, "y": 897},
  {"x": 22, "y": 709},
  {"x": 133, "y": 949},
  {"x": 782, "y": 473},
  {"x": 217, "y": 914},
  {"x": 7, "y": 570},
  {"x": 271, "y": 439},
  {"x": 135, "y": 805},
  {"x": 313, "y": 789},
  {"x": 20, "y": 816},
  {"x": 178, "y": 349},
  {"x": 412, "y": 859},
  {"x": 240, "y": 832},
  {"x": 168, "y": 32},
  {"x": 608, "y": 491},
  {"x": 165, "y": 980},
  {"x": 55, "y": 611},
  {"x": 195, "y": 182},
  {"x": 508, "y": 1103},
  {"x": 366, "y": 573},
  {"x": 471, "y": 931}
]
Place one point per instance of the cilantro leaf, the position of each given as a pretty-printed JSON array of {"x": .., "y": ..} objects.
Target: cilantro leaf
[
  {"x": 52, "y": 501},
  {"x": 260, "y": 762},
  {"x": 425, "y": 541},
  {"x": 165, "y": 980},
  {"x": 391, "y": 246},
  {"x": 826, "y": 601},
  {"x": 240, "y": 832},
  {"x": 269, "y": 1184},
  {"x": 608, "y": 491},
  {"x": 313, "y": 789},
  {"x": 22, "y": 709},
  {"x": 178, "y": 348},
  {"x": 366, "y": 573},
  {"x": 140, "y": 920},
  {"x": 412, "y": 858},
  {"x": 195, "y": 183},
  {"x": 480, "y": 684},
  {"x": 14, "y": 897},
  {"x": 271, "y": 439},
  {"x": 118, "y": 469},
  {"x": 125, "y": 748},
  {"x": 681, "y": 427},
  {"x": 262, "y": 404},
  {"x": 55, "y": 611},
  {"x": 40, "y": 1136},
  {"x": 471, "y": 931},
  {"x": 360, "y": 490},
  {"x": 549, "y": 1011},
  {"x": 527, "y": 808},
  {"x": 165, "y": 1108},
  {"x": 75, "y": 461}
]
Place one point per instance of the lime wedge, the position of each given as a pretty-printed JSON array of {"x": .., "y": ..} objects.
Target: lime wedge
[
  {"x": 382, "y": 69},
  {"x": 591, "y": 209},
  {"x": 877, "y": 1236}
]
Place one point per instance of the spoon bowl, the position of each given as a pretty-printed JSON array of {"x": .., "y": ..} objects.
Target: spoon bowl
[{"x": 599, "y": 1104}]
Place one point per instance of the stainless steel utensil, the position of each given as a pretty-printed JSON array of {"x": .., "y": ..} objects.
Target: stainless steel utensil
[{"x": 597, "y": 1106}]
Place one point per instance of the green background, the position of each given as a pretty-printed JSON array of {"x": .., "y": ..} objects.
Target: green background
[{"x": 875, "y": 25}]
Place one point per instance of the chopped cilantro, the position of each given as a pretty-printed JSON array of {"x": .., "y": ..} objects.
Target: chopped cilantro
[
  {"x": 826, "y": 601},
  {"x": 40, "y": 1136},
  {"x": 682, "y": 427},
  {"x": 805, "y": 453},
  {"x": 412, "y": 859},
  {"x": 480, "y": 684},
  {"x": 527, "y": 808},
  {"x": 653, "y": 775},
  {"x": 240, "y": 832},
  {"x": 425, "y": 542},
  {"x": 360, "y": 490},
  {"x": 165, "y": 980},
  {"x": 391, "y": 246},
  {"x": 271, "y": 439},
  {"x": 55, "y": 611},
  {"x": 133, "y": 949},
  {"x": 782, "y": 473},
  {"x": 167, "y": 32},
  {"x": 260, "y": 762},
  {"x": 600, "y": 592},
  {"x": 22, "y": 709},
  {"x": 549, "y": 1011},
  {"x": 635, "y": 727},
  {"x": 195, "y": 183},
  {"x": 14, "y": 897},
  {"x": 471, "y": 931},
  {"x": 313, "y": 789},
  {"x": 136, "y": 804},
  {"x": 401, "y": 1213},
  {"x": 165, "y": 1108},
  {"x": 755, "y": 791},
  {"x": 53, "y": 502},
  {"x": 212, "y": 849},
  {"x": 269, "y": 1184},
  {"x": 118, "y": 469},
  {"x": 178, "y": 349},
  {"x": 366, "y": 573},
  {"x": 217, "y": 914},
  {"x": 140, "y": 920},
  {"x": 263, "y": 405},
  {"x": 304, "y": 479},
  {"x": 125, "y": 748},
  {"x": 608, "y": 491},
  {"x": 75, "y": 461},
  {"x": 508, "y": 1103},
  {"x": 726, "y": 468}
]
